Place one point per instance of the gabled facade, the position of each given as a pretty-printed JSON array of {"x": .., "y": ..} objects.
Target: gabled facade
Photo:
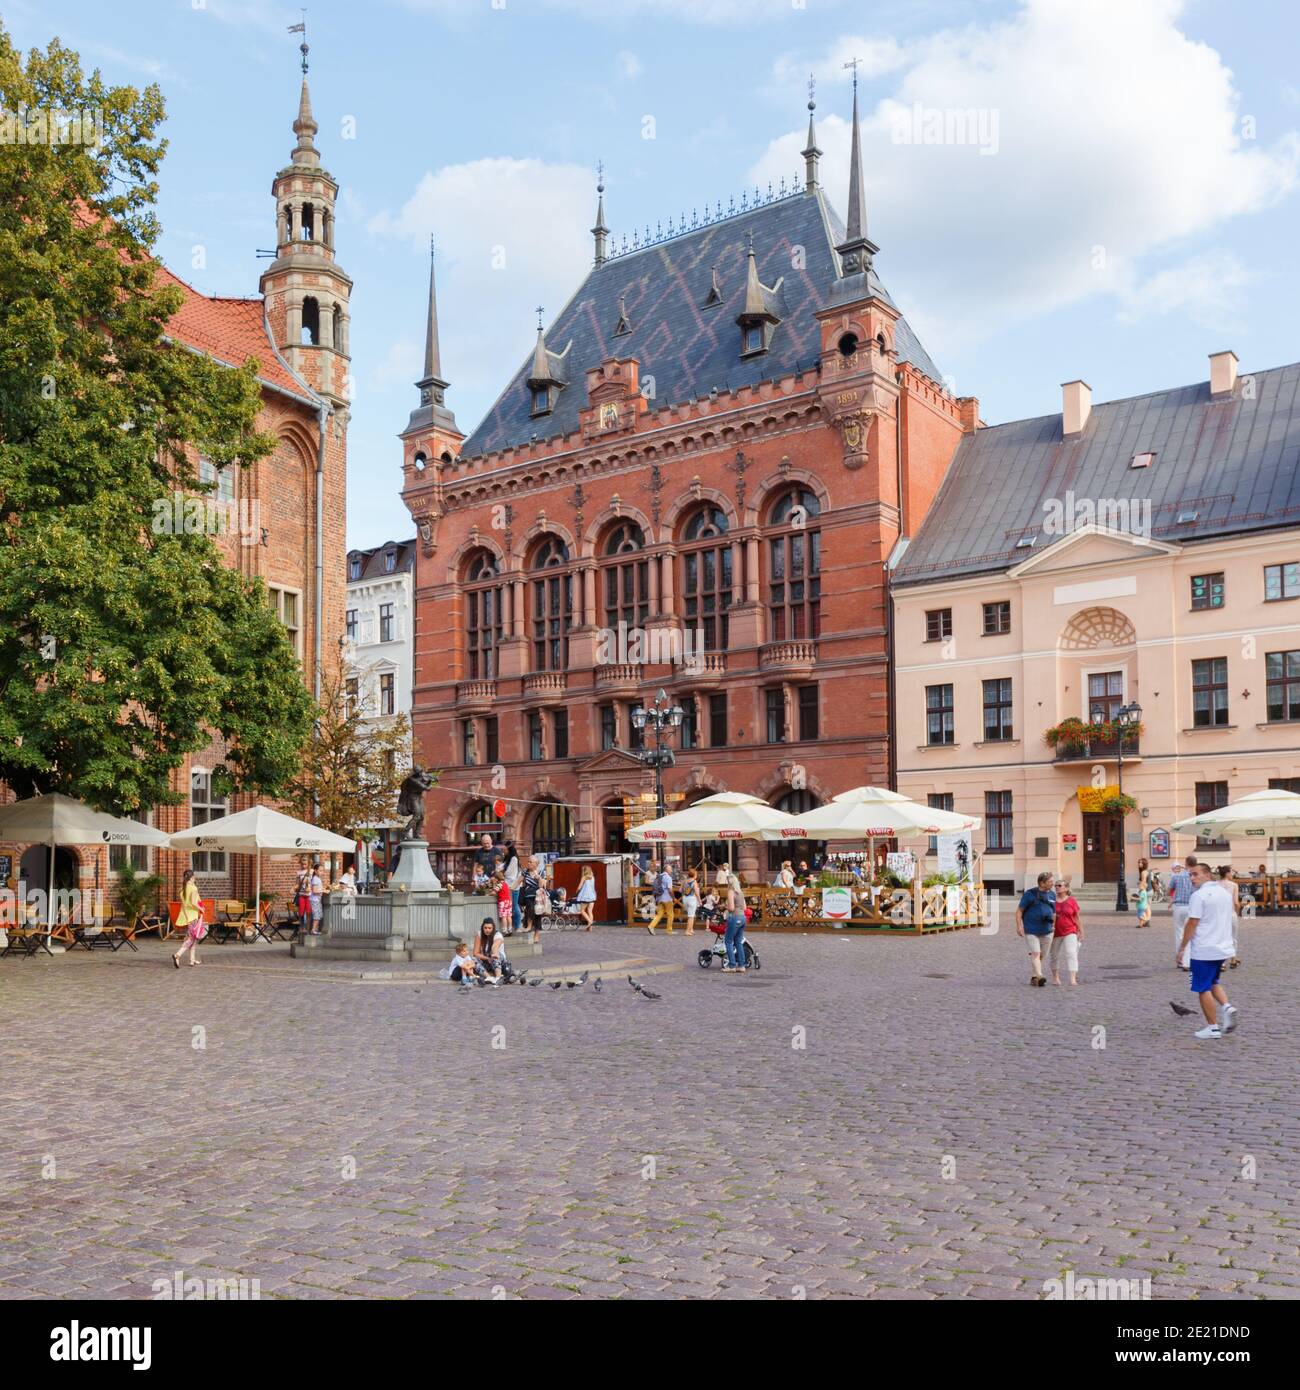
[
  {"x": 692, "y": 484},
  {"x": 1143, "y": 550}
]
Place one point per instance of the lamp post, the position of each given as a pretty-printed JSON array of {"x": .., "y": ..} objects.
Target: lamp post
[
  {"x": 1126, "y": 718},
  {"x": 658, "y": 717}
]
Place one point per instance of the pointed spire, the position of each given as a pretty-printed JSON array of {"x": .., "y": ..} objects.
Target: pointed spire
[
  {"x": 714, "y": 296},
  {"x": 540, "y": 371},
  {"x": 856, "y": 250},
  {"x": 624, "y": 324},
  {"x": 600, "y": 231},
  {"x": 755, "y": 305},
  {"x": 811, "y": 154},
  {"x": 432, "y": 350},
  {"x": 305, "y": 128},
  {"x": 758, "y": 316},
  {"x": 432, "y": 385}
]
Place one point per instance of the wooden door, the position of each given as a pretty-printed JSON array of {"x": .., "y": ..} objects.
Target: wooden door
[{"x": 1101, "y": 846}]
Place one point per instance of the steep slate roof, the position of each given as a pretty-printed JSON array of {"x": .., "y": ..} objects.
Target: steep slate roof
[
  {"x": 372, "y": 561},
  {"x": 231, "y": 330},
  {"x": 1235, "y": 461},
  {"x": 688, "y": 349}
]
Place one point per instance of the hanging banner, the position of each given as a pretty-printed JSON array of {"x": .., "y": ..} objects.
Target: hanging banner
[
  {"x": 837, "y": 903},
  {"x": 1093, "y": 799},
  {"x": 955, "y": 855}
]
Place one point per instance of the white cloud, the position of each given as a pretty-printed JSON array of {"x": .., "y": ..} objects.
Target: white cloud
[
  {"x": 1206, "y": 287},
  {"x": 629, "y": 64},
  {"x": 1116, "y": 139},
  {"x": 510, "y": 234}
]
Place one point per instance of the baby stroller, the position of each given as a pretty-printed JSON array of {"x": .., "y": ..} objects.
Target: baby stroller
[
  {"x": 716, "y": 922},
  {"x": 558, "y": 913}
]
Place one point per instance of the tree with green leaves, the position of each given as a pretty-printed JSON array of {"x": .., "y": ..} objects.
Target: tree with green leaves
[
  {"x": 121, "y": 649},
  {"x": 351, "y": 773}
]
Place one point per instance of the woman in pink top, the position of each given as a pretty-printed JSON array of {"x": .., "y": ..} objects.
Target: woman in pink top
[{"x": 1066, "y": 935}]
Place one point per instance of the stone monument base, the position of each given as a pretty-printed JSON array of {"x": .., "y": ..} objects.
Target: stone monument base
[{"x": 414, "y": 872}]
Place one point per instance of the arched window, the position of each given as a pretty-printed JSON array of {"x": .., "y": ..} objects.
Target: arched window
[
  {"x": 483, "y": 619},
  {"x": 553, "y": 830},
  {"x": 308, "y": 222},
  {"x": 552, "y": 614},
  {"x": 794, "y": 803},
  {"x": 794, "y": 562},
  {"x": 626, "y": 577},
  {"x": 480, "y": 821},
  {"x": 310, "y": 320},
  {"x": 706, "y": 575}
]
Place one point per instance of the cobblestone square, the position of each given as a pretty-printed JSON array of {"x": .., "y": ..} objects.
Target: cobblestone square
[{"x": 864, "y": 1117}]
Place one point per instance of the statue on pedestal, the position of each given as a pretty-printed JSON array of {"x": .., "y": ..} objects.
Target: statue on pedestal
[{"x": 410, "y": 801}]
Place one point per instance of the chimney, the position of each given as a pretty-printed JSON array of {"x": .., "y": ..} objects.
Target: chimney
[
  {"x": 1223, "y": 373},
  {"x": 1076, "y": 406},
  {"x": 968, "y": 412}
]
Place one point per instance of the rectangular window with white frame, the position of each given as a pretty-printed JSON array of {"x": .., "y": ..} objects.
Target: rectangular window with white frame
[
  {"x": 285, "y": 606},
  {"x": 206, "y": 806}
]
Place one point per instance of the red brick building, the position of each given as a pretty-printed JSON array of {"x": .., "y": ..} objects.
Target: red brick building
[
  {"x": 693, "y": 484},
  {"x": 286, "y": 513}
]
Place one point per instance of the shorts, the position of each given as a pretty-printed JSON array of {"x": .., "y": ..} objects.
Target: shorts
[
  {"x": 1034, "y": 941},
  {"x": 1205, "y": 975}
]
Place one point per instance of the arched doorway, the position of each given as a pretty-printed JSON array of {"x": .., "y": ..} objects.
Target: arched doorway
[
  {"x": 553, "y": 829},
  {"x": 794, "y": 803}
]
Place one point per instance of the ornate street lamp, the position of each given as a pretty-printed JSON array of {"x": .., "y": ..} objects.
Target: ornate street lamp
[
  {"x": 660, "y": 716},
  {"x": 1126, "y": 718}
]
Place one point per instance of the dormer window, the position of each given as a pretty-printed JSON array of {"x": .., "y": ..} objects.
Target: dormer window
[
  {"x": 390, "y": 561},
  {"x": 354, "y": 567},
  {"x": 541, "y": 400},
  {"x": 755, "y": 339}
]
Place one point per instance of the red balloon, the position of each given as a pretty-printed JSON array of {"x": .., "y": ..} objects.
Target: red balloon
[{"x": 498, "y": 808}]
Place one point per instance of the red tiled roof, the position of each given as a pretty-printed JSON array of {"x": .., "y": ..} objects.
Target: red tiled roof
[{"x": 232, "y": 331}]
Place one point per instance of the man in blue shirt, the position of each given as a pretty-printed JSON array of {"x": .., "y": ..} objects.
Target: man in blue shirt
[
  {"x": 1035, "y": 918},
  {"x": 1181, "y": 888}
]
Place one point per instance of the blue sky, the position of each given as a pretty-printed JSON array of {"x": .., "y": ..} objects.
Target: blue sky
[{"x": 1126, "y": 204}]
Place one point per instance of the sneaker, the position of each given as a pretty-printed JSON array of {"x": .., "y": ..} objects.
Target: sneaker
[
  {"x": 1227, "y": 1018},
  {"x": 1212, "y": 1031}
]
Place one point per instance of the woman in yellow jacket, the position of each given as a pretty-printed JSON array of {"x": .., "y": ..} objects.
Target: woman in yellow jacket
[{"x": 190, "y": 920}]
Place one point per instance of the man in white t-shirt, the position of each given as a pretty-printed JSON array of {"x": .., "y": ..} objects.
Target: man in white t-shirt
[{"x": 1207, "y": 936}]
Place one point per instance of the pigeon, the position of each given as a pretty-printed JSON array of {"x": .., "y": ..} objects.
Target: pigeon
[
  {"x": 555, "y": 984},
  {"x": 596, "y": 986},
  {"x": 1179, "y": 1010},
  {"x": 634, "y": 984},
  {"x": 583, "y": 978},
  {"x": 532, "y": 984},
  {"x": 519, "y": 979},
  {"x": 464, "y": 987},
  {"x": 573, "y": 984},
  {"x": 650, "y": 994}
]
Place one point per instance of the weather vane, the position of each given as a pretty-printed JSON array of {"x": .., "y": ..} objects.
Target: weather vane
[
  {"x": 812, "y": 91},
  {"x": 539, "y": 318},
  {"x": 302, "y": 47},
  {"x": 853, "y": 63}
]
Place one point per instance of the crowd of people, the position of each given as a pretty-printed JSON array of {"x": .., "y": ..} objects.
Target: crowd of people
[{"x": 1206, "y": 911}]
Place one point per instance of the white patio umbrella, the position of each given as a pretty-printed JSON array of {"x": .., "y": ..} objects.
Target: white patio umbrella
[
  {"x": 1257, "y": 816},
  {"x": 54, "y": 819},
  {"x": 866, "y": 813},
  {"x": 876, "y": 813},
  {"x": 723, "y": 816},
  {"x": 256, "y": 829}
]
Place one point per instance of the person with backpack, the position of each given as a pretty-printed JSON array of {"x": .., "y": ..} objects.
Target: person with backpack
[
  {"x": 662, "y": 887},
  {"x": 529, "y": 887},
  {"x": 1035, "y": 921}
]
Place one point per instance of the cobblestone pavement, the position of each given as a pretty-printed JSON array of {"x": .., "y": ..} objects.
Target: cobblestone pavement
[{"x": 943, "y": 1130}]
